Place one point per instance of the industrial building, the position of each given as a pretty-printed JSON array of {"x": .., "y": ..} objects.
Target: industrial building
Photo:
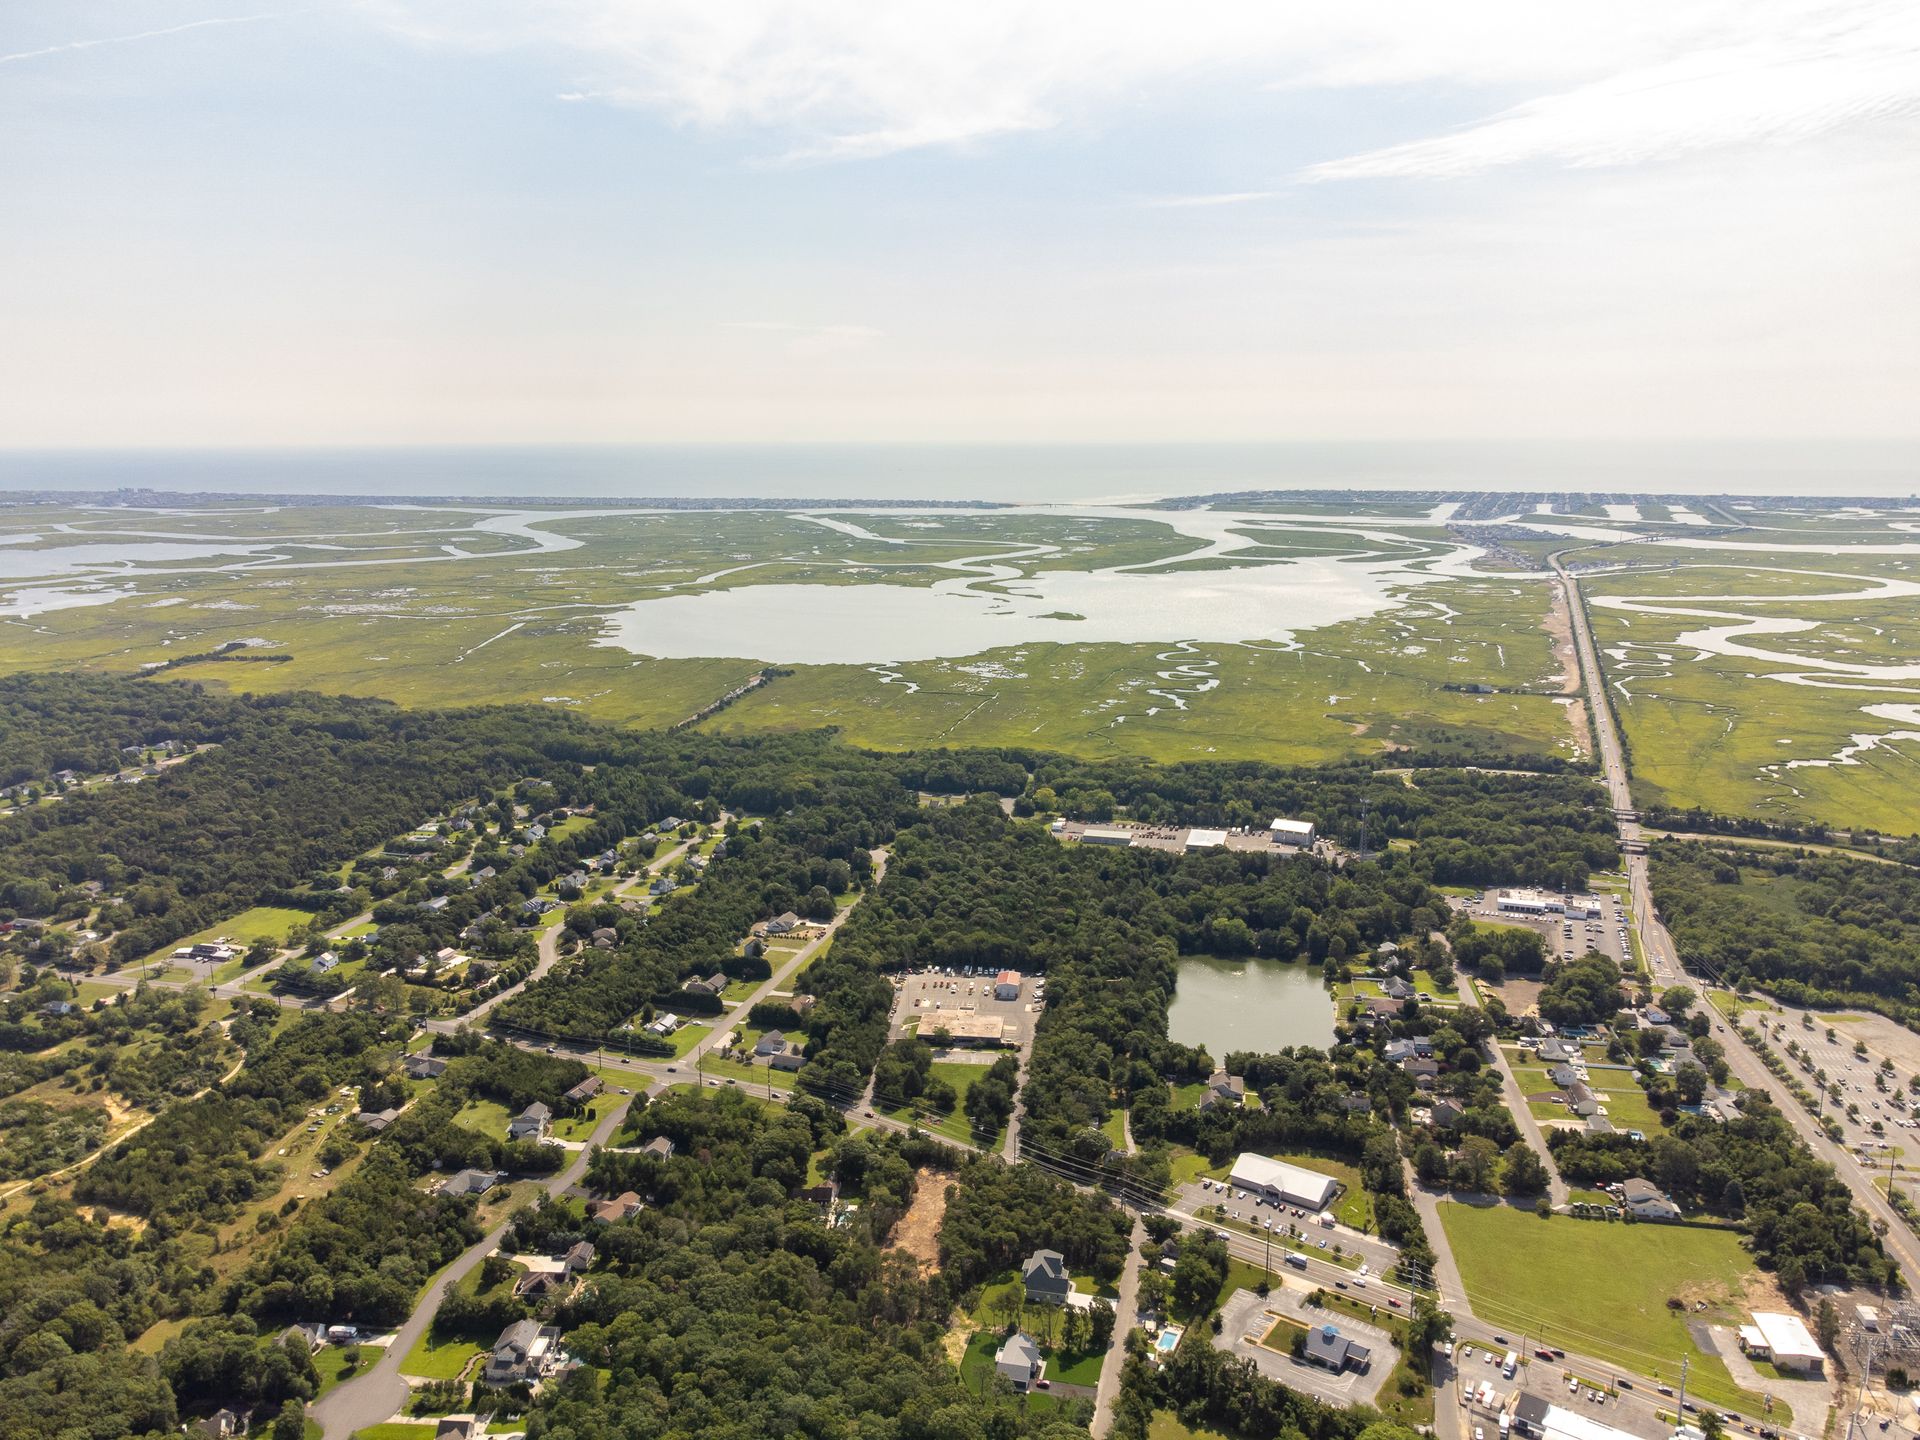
[
  {"x": 1281, "y": 1183},
  {"x": 1105, "y": 835},
  {"x": 1205, "y": 839},
  {"x": 1291, "y": 832},
  {"x": 1006, "y": 985},
  {"x": 1783, "y": 1339}
]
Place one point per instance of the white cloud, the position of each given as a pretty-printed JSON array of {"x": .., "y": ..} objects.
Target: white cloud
[
  {"x": 1789, "y": 84},
  {"x": 832, "y": 79}
]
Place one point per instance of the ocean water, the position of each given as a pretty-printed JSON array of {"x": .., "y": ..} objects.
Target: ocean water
[{"x": 1829, "y": 469}]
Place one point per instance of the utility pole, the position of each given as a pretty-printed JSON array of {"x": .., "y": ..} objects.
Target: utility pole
[{"x": 1681, "y": 1414}]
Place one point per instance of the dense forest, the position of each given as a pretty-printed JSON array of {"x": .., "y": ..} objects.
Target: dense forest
[
  {"x": 1813, "y": 929},
  {"x": 731, "y": 1305}
]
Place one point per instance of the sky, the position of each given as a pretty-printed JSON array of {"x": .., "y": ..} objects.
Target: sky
[{"x": 411, "y": 222}]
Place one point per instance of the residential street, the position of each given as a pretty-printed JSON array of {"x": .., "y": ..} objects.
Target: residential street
[{"x": 1124, "y": 1311}]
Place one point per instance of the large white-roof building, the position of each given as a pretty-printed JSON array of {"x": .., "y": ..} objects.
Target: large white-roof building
[
  {"x": 1291, "y": 832},
  {"x": 1783, "y": 1339},
  {"x": 1282, "y": 1183},
  {"x": 1562, "y": 1424},
  {"x": 1205, "y": 839},
  {"x": 1105, "y": 835}
]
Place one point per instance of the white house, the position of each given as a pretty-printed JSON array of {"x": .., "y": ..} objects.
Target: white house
[{"x": 1019, "y": 1360}]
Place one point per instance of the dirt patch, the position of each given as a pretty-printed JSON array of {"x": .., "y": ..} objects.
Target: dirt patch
[
  {"x": 1763, "y": 1292},
  {"x": 918, "y": 1233},
  {"x": 119, "y": 1111}
]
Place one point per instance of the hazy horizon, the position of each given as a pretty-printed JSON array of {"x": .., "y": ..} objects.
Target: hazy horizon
[{"x": 1064, "y": 472}]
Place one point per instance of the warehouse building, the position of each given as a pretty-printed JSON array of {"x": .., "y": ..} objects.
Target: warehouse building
[
  {"x": 1291, "y": 832},
  {"x": 1283, "y": 1184}
]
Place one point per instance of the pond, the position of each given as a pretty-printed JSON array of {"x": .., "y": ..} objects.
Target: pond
[{"x": 1257, "y": 1005}]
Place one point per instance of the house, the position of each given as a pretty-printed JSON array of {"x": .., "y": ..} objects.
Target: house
[
  {"x": 585, "y": 1090},
  {"x": 823, "y": 1194},
  {"x": 1645, "y": 1200},
  {"x": 1565, "y": 1076},
  {"x": 1397, "y": 989},
  {"x": 472, "y": 1182},
  {"x": 783, "y": 924},
  {"x": 706, "y": 985},
  {"x": 1599, "y": 1125},
  {"x": 1019, "y": 1360},
  {"x": 771, "y": 1043},
  {"x": 1447, "y": 1113},
  {"x": 377, "y": 1120},
  {"x": 425, "y": 1067},
  {"x": 623, "y": 1206},
  {"x": 1397, "y": 1052},
  {"x": 1225, "y": 1088},
  {"x": 311, "y": 1336},
  {"x": 1423, "y": 1072},
  {"x": 524, "y": 1352},
  {"x": 486, "y": 872},
  {"x": 789, "y": 1058},
  {"x": 58, "y": 1009},
  {"x": 665, "y": 885},
  {"x": 660, "y": 1147},
  {"x": 578, "y": 1257},
  {"x": 1553, "y": 1051},
  {"x": 1356, "y": 1102},
  {"x": 539, "y": 1284},
  {"x": 458, "y": 1427},
  {"x": 1006, "y": 985},
  {"x": 323, "y": 962},
  {"x": 1784, "y": 1339},
  {"x": 531, "y": 1123},
  {"x": 1329, "y": 1349},
  {"x": 223, "y": 1424},
  {"x": 1282, "y": 1183},
  {"x": 1045, "y": 1277}
]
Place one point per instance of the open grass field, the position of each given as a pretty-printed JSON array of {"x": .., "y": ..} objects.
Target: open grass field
[
  {"x": 1601, "y": 1289},
  {"x": 263, "y": 922}
]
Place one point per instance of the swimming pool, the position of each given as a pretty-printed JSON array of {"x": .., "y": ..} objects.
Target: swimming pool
[{"x": 1169, "y": 1338}]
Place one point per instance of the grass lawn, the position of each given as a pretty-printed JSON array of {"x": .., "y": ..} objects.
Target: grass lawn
[
  {"x": 686, "y": 1037},
  {"x": 1626, "y": 1104},
  {"x": 432, "y": 1359},
  {"x": 1166, "y": 1425},
  {"x": 398, "y": 1430},
  {"x": 488, "y": 1117},
  {"x": 1114, "y": 1128},
  {"x": 1602, "y": 1289},
  {"x": 263, "y": 922},
  {"x": 331, "y": 1362}
]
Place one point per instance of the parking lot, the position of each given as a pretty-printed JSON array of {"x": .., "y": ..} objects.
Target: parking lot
[
  {"x": 1566, "y": 938},
  {"x": 1246, "y": 1318},
  {"x": 922, "y": 999}
]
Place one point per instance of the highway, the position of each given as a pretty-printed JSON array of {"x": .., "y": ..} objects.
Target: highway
[{"x": 1664, "y": 960}]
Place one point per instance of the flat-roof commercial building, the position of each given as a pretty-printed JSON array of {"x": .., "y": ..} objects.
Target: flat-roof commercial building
[
  {"x": 964, "y": 1029},
  {"x": 1530, "y": 902},
  {"x": 1282, "y": 1183},
  {"x": 1006, "y": 985},
  {"x": 1105, "y": 835},
  {"x": 1783, "y": 1339},
  {"x": 1291, "y": 832},
  {"x": 1205, "y": 839}
]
